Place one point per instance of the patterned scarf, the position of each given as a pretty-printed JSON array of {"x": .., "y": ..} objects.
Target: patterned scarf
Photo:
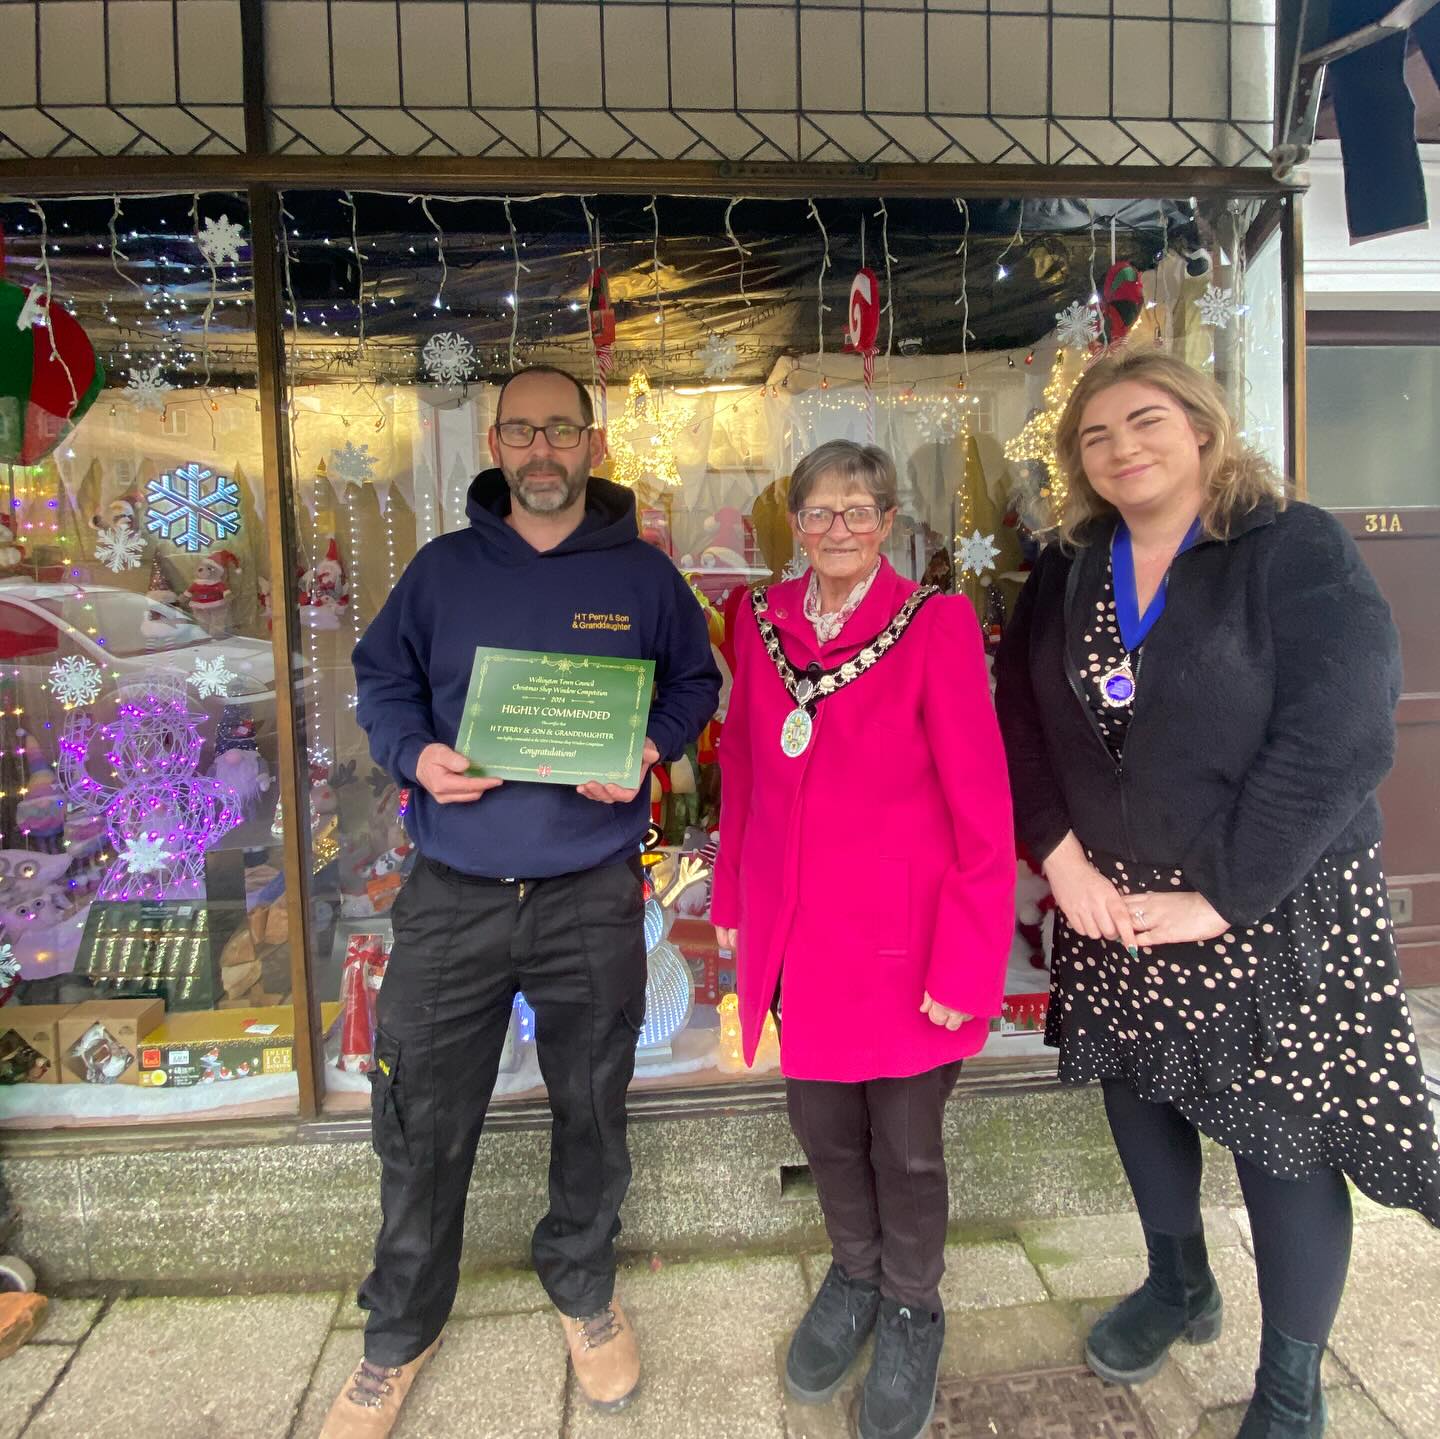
[{"x": 828, "y": 626}]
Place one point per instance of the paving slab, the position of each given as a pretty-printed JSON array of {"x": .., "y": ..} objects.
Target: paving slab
[
  {"x": 1385, "y": 1333},
  {"x": 228, "y": 1368},
  {"x": 709, "y": 1335},
  {"x": 989, "y": 1276},
  {"x": 999, "y": 1341},
  {"x": 68, "y": 1321},
  {"x": 25, "y": 1379},
  {"x": 502, "y": 1375},
  {"x": 1104, "y": 1254}
]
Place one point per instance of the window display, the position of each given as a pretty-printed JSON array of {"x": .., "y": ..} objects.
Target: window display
[
  {"x": 137, "y": 680},
  {"x": 146, "y": 946},
  {"x": 717, "y": 356}
]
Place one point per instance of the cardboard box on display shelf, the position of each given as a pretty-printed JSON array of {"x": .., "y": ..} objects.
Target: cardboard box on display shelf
[
  {"x": 221, "y": 1046},
  {"x": 29, "y": 1043},
  {"x": 98, "y": 1040}
]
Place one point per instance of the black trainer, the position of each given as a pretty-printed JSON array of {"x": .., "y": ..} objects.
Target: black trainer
[
  {"x": 1179, "y": 1300},
  {"x": 898, "y": 1401},
  {"x": 824, "y": 1347}
]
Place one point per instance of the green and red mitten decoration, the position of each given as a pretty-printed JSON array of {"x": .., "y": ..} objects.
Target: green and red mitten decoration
[
  {"x": 39, "y": 402},
  {"x": 1122, "y": 297}
]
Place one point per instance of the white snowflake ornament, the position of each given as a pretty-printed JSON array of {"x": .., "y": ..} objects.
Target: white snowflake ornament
[
  {"x": 449, "y": 358},
  {"x": 119, "y": 548},
  {"x": 351, "y": 464},
  {"x": 796, "y": 569},
  {"x": 75, "y": 680},
  {"x": 1217, "y": 307},
  {"x": 193, "y": 508},
  {"x": 720, "y": 355},
  {"x": 9, "y": 966},
  {"x": 144, "y": 854},
  {"x": 1077, "y": 326},
  {"x": 148, "y": 388},
  {"x": 211, "y": 677},
  {"x": 976, "y": 555},
  {"x": 220, "y": 241}
]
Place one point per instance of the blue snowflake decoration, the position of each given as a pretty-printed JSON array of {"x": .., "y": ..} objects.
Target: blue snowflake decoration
[{"x": 193, "y": 508}]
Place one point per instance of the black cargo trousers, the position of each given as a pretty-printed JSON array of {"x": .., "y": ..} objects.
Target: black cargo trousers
[{"x": 574, "y": 944}]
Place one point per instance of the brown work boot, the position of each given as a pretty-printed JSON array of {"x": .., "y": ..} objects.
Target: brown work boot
[
  {"x": 369, "y": 1404},
  {"x": 20, "y": 1316},
  {"x": 605, "y": 1355}
]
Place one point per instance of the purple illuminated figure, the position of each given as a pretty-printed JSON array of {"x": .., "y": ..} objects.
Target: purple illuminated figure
[{"x": 160, "y": 814}]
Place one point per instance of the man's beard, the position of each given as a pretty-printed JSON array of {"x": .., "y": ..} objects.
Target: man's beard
[{"x": 561, "y": 491}]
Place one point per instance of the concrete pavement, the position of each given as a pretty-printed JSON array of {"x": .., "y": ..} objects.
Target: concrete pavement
[{"x": 1018, "y": 1300}]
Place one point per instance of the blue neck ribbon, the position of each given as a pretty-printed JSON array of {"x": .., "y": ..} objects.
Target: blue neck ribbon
[{"x": 1134, "y": 627}]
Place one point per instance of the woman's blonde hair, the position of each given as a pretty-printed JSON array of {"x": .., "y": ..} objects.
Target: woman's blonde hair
[{"x": 1236, "y": 478}]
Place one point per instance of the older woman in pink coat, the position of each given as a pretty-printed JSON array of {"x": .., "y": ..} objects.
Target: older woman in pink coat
[{"x": 866, "y": 882}]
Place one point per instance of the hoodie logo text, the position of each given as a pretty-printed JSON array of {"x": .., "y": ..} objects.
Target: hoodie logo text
[{"x": 586, "y": 620}]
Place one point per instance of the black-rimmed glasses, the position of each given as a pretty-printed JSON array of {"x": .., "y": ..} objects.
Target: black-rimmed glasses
[
  {"x": 859, "y": 519},
  {"x": 520, "y": 434}
]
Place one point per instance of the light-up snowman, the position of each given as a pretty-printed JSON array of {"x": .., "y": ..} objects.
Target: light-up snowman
[{"x": 160, "y": 814}]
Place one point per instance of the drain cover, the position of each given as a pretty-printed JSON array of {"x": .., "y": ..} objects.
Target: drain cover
[{"x": 1038, "y": 1404}]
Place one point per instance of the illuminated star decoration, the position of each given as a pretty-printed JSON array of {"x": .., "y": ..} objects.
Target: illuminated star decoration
[
  {"x": 1036, "y": 441},
  {"x": 643, "y": 439}
]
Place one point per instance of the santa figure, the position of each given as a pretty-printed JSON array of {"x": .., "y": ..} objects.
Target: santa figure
[
  {"x": 208, "y": 594},
  {"x": 324, "y": 590},
  {"x": 123, "y": 510}
]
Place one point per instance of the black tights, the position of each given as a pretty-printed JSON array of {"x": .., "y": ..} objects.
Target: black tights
[{"x": 1301, "y": 1227}]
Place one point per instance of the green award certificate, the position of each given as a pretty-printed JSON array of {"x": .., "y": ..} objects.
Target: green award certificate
[{"x": 556, "y": 719}]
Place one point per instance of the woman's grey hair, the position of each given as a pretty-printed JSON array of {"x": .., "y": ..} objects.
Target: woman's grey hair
[{"x": 846, "y": 460}]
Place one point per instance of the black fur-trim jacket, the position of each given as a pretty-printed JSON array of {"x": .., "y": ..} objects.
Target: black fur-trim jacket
[{"x": 1263, "y": 716}]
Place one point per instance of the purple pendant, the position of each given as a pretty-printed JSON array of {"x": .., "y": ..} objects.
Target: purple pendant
[{"x": 1117, "y": 686}]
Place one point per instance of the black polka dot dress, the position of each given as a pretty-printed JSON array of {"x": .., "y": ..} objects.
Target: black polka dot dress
[{"x": 1289, "y": 1042}]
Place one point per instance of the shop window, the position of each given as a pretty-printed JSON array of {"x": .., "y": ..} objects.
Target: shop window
[
  {"x": 145, "y": 953},
  {"x": 721, "y": 374},
  {"x": 140, "y": 975}
]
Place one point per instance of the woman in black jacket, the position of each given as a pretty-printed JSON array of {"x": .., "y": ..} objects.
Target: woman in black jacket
[{"x": 1197, "y": 693}]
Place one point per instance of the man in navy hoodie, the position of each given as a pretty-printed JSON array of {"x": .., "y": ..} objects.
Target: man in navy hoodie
[{"x": 533, "y": 887}]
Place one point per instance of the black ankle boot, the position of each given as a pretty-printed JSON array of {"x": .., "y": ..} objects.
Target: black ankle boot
[
  {"x": 830, "y": 1335},
  {"x": 1179, "y": 1300},
  {"x": 1288, "y": 1403},
  {"x": 898, "y": 1401}
]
